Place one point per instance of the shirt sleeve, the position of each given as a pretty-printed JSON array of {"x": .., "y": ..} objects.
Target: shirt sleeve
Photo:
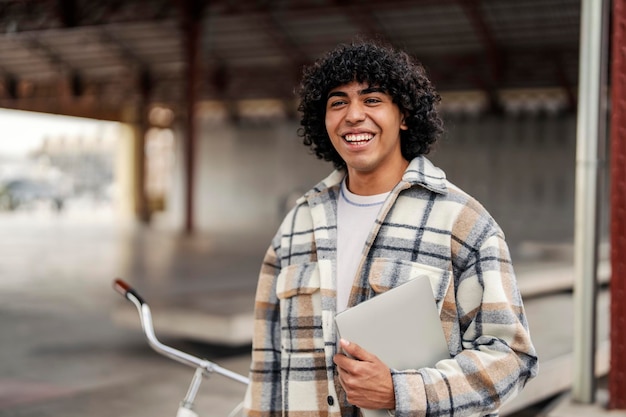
[
  {"x": 497, "y": 356},
  {"x": 263, "y": 396}
]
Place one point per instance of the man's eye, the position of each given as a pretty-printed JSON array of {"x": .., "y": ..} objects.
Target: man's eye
[
  {"x": 372, "y": 100},
  {"x": 336, "y": 103}
]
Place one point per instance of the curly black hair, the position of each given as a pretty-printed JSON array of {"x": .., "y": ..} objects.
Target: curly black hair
[{"x": 374, "y": 64}]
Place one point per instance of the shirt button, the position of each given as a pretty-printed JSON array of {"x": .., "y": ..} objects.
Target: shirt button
[{"x": 330, "y": 400}]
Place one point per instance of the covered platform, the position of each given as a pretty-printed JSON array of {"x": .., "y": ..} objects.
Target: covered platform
[{"x": 121, "y": 62}]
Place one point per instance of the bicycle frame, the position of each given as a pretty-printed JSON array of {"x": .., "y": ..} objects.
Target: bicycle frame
[{"x": 203, "y": 367}]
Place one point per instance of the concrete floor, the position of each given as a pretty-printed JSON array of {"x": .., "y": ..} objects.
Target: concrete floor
[{"x": 62, "y": 355}]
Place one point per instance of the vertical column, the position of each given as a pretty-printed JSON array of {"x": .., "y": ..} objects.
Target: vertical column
[
  {"x": 141, "y": 204},
  {"x": 133, "y": 156},
  {"x": 617, "y": 373},
  {"x": 192, "y": 11},
  {"x": 145, "y": 86},
  {"x": 586, "y": 215}
]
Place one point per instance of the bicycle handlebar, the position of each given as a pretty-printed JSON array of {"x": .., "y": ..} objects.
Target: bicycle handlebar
[
  {"x": 145, "y": 316},
  {"x": 124, "y": 288}
]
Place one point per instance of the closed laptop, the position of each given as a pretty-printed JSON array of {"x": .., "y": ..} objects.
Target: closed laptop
[{"x": 400, "y": 326}]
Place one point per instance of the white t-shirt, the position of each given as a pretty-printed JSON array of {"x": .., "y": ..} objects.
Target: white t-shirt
[{"x": 355, "y": 219}]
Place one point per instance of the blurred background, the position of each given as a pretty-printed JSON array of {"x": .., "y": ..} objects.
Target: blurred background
[{"x": 157, "y": 141}]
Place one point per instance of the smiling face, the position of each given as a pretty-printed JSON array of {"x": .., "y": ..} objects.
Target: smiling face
[{"x": 364, "y": 125}]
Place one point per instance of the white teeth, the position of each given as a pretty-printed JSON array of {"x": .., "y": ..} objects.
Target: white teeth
[{"x": 361, "y": 137}]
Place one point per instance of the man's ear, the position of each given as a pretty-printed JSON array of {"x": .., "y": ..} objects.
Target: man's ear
[{"x": 403, "y": 125}]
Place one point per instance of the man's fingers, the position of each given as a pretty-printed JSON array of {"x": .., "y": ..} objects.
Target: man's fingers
[
  {"x": 356, "y": 351},
  {"x": 365, "y": 379}
]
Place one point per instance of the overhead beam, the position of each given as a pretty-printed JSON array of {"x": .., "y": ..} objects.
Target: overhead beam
[
  {"x": 104, "y": 12},
  {"x": 123, "y": 51},
  {"x": 54, "y": 59},
  {"x": 296, "y": 56},
  {"x": 18, "y": 14},
  {"x": 449, "y": 72},
  {"x": 68, "y": 13},
  {"x": 475, "y": 15},
  {"x": 493, "y": 55},
  {"x": 86, "y": 109},
  {"x": 563, "y": 80},
  {"x": 73, "y": 82},
  {"x": 77, "y": 84},
  {"x": 274, "y": 28},
  {"x": 11, "y": 86},
  {"x": 225, "y": 7},
  {"x": 361, "y": 15},
  {"x": 138, "y": 67}
]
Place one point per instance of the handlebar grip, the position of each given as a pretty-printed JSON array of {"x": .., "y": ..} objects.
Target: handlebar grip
[{"x": 124, "y": 288}]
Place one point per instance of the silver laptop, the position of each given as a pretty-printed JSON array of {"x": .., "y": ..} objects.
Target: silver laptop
[{"x": 400, "y": 326}]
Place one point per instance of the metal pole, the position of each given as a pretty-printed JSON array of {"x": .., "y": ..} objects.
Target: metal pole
[
  {"x": 191, "y": 37},
  {"x": 586, "y": 214},
  {"x": 192, "y": 26}
]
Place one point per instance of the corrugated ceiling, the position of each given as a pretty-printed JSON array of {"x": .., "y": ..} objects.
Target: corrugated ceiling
[{"x": 68, "y": 53}]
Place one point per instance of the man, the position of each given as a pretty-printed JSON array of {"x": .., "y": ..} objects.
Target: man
[{"x": 385, "y": 215}]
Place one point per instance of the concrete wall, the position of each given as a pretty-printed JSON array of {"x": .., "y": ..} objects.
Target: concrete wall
[
  {"x": 520, "y": 167},
  {"x": 245, "y": 176}
]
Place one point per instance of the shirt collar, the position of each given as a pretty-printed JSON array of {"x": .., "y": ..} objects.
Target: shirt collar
[{"x": 420, "y": 171}]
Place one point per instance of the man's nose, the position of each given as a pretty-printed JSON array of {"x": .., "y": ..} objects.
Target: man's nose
[{"x": 355, "y": 113}]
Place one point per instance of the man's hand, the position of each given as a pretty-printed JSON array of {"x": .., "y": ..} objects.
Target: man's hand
[{"x": 366, "y": 380}]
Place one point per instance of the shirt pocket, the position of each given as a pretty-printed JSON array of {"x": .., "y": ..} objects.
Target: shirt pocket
[
  {"x": 298, "y": 289},
  {"x": 298, "y": 279},
  {"x": 388, "y": 273}
]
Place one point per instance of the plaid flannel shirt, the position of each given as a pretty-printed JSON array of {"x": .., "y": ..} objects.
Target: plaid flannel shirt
[{"x": 426, "y": 226}]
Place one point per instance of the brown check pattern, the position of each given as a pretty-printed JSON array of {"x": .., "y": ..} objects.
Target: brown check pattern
[{"x": 426, "y": 226}]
